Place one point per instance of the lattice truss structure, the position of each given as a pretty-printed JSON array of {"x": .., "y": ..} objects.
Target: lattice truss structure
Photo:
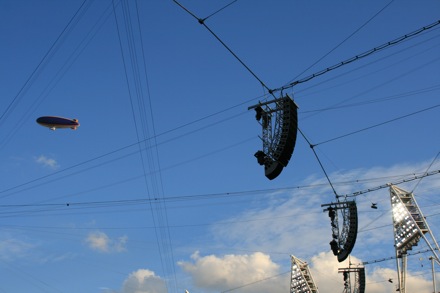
[
  {"x": 344, "y": 235},
  {"x": 301, "y": 280},
  {"x": 279, "y": 122},
  {"x": 359, "y": 279},
  {"x": 409, "y": 227}
]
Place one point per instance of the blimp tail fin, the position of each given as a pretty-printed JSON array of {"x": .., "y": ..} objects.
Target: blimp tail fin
[{"x": 77, "y": 124}]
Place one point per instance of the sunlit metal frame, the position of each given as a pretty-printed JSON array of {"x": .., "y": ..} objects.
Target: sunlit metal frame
[
  {"x": 301, "y": 280},
  {"x": 359, "y": 279},
  {"x": 409, "y": 226}
]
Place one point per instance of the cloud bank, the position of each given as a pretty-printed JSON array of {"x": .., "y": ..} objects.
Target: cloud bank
[
  {"x": 101, "y": 242},
  {"x": 293, "y": 222},
  {"x": 144, "y": 281},
  {"x": 216, "y": 273},
  {"x": 141, "y": 281}
]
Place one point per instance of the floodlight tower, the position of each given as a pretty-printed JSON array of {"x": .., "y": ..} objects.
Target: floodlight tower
[
  {"x": 409, "y": 226},
  {"x": 359, "y": 279},
  {"x": 301, "y": 280},
  {"x": 279, "y": 121},
  {"x": 343, "y": 238}
]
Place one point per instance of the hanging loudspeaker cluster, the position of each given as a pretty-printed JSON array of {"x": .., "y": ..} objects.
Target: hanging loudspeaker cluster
[
  {"x": 279, "y": 134},
  {"x": 343, "y": 240},
  {"x": 352, "y": 232}
]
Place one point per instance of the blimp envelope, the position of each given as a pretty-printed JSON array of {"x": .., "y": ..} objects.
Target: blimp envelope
[{"x": 54, "y": 122}]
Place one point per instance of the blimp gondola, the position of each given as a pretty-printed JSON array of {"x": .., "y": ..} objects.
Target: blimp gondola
[{"x": 54, "y": 122}]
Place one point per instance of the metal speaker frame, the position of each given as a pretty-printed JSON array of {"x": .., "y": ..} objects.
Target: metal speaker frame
[{"x": 279, "y": 121}]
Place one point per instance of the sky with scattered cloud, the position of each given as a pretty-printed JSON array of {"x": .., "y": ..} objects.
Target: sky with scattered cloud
[
  {"x": 284, "y": 224},
  {"x": 158, "y": 190}
]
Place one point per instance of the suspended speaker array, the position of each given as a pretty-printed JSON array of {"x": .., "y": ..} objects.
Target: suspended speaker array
[{"x": 279, "y": 120}]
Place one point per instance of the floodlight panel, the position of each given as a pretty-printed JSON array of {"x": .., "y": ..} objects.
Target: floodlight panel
[
  {"x": 406, "y": 232},
  {"x": 298, "y": 283},
  {"x": 301, "y": 280},
  {"x": 399, "y": 211}
]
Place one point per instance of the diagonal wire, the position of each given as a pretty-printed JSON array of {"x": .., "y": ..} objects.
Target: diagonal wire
[
  {"x": 377, "y": 125},
  {"x": 202, "y": 22},
  {"x": 255, "y": 282},
  {"x": 346, "y": 39},
  {"x": 320, "y": 163},
  {"x": 163, "y": 217},
  {"x": 426, "y": 172},
  {"x": 212, "y": 14},
  {"x": 132, "y": 53},
  {"x": 359, "y": 56},
  {"x": 41, "y": 64}
]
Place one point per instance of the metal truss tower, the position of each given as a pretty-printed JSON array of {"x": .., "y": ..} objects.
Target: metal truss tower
[
  {"x": 409, "y": 227},
  {"x": 359, "y": 279},
  {"x": 301, "y": 280},
  {"x": 344, "y": 237}
]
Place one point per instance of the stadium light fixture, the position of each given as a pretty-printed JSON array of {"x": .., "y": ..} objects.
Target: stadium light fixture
[
  {"x": 409, "y": 226},
  {"x": 301, "y": 280}
]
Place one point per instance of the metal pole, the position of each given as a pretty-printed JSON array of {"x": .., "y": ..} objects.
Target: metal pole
[
  {"x": 433, "y": 273},
  {"x": 398, "y": 259},
  {"x": 403, "y": 278}
]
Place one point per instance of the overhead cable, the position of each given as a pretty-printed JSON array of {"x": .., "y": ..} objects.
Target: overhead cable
[
  {"x": 394, "y": 257},
  {"x": 377, "y": 125},
  {"x": 429, "y": 167},
  {"x": 154, "y": 185},
  {"x": 177, "y": 198},
  {"x": 7, "y": 191},
  {"x": 202, "y": 22},
  {"x": 347, "y": 38},
  {"x": 415, "y": 177},
  {"x": 359, "y": 56},
  {"x": 42, "y": 63}
]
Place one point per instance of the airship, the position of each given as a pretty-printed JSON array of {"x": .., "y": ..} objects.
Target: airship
[{"x": 54, "y": 122}]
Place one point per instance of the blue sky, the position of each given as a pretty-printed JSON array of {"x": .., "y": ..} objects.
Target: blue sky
[{"x": 158, "y": 189}]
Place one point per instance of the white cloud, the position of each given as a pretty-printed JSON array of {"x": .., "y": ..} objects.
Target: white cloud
[
  {"x": 13, "y": 248},
  {"x": 101, "y": 242},
  {"x": 257, "y": 273},
  {"x": 144, "y": 281},
  {"x": 213, "y": 273},
  {"x": 324, "y": 268},
  {"x": 290, "y": 222},
  {"x": 47, "y": 162},
  {"x": 98, "y": 241},
  {"x": 140, "y": 281},
  {"x": 293, "y": 222},
  {"x": 414, "y": 283},
  {"x": 29, "y": 250}
]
